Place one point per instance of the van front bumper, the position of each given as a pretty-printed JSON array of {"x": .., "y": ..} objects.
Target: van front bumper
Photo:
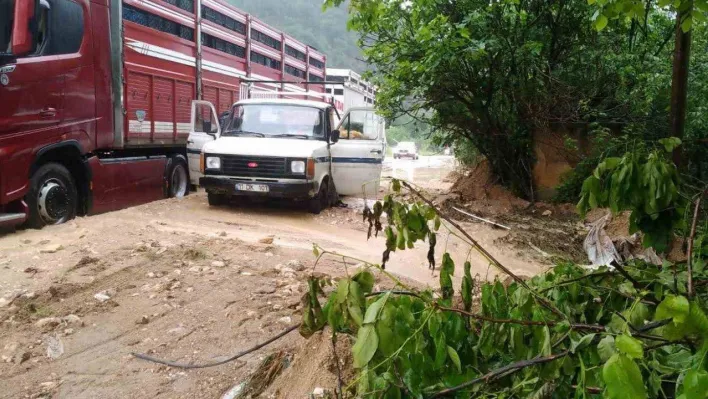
[{"x": 290, "y": 190}]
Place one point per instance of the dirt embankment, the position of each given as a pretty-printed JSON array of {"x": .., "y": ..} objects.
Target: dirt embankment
[{"x": 545, "y": 230}]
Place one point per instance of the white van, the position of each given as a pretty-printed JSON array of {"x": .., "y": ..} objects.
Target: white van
[{"x": 285, "y": 148}]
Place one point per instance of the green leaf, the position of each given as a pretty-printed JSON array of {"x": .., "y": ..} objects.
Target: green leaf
[
  {"x": 601, "y": 22},
  {"x": 367, "y": 342},
  {"x": 673, "y": 307},
  {"x": 396, "y": 185},
  {"x": 582, "y": 343},
  {"x": 447, "y": 270},
  {"x": 315, "y": 250},
  {"x": 440, "y": 350},
  {"x": 629, "y": 346},
  {"x": 687, "y": 24},
  {"x": 698, "y": 16},
  {"x": 342, "y": 290},
  {"x": 466, "y": 291},
  {"x": 372, "y": 312},
  {"x": 437, "y": 223},
  {"x": 387, "y": 340},
  {"x": 701, "y": 5},
  {"x": 366, "y": 280},
  {"x": 455, "y": 358},
  {"x": 355, "y": 301},
  {"x": 400, "y": 240},
  {"x": 623, "y": 378},
  {"x": 355, "y": 313},
  {"x": 606, "y": 348},
  {"x": 670, "y": 143},
  {"x": 695, "y": 384},
  {"x": 546, "y": 345}
]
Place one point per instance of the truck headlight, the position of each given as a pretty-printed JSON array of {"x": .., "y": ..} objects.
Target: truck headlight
[
  {"x": 213, "y": 163},
  {"x": 297, "y": 167}
]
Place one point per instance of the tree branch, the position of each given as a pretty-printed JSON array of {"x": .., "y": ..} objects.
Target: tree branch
[
  {"x": 575, "y": 326},
  {"x": 691, "y": 291},
  {"x": 219, "y": 363},
  {"x": 484, "y": 252},
  {"x": 506, "y": 370}
]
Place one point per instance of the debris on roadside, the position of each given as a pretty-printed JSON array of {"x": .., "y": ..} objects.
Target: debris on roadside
[
  {"x": 55, "y": 347},
  {"x": 51, "y": 249},
  {"x": 267, "y": 240},
  {"x": 102, "y": 296}
]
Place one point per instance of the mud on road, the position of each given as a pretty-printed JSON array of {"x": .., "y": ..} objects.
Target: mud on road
[{"x": 179, "y": 280}]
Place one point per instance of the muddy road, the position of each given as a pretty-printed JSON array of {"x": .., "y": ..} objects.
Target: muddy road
[{"x": 179, "y": 280}]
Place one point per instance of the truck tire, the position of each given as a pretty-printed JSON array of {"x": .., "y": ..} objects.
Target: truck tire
[
  {"x": 52, "y": 197},
  {"x": 217, "y": 199},
  {"x": 320, "y": 201},
  {"x": 177, "y": 177}
]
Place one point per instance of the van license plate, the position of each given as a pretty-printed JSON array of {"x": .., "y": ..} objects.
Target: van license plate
[{"x": 258, "y": 188}]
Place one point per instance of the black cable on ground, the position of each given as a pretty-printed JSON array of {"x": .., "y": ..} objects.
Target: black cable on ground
[{"x": 219, "y": 363}]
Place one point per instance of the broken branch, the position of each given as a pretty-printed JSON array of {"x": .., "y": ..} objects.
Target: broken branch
[
  {"x": 506, "y": 370},
  {"x": 484, "y": 252},
  {"x": 219, "y": 363},
  {"x": 481, "y": 219}
]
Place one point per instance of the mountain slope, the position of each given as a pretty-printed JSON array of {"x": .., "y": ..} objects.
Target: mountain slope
[{"x": 304, "y": 20}]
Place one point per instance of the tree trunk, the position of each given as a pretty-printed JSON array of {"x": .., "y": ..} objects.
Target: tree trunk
[{"x": 679, "y": 84}]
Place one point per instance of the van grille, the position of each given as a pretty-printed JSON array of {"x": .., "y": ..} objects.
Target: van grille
[{"x": 254, "y": 166}]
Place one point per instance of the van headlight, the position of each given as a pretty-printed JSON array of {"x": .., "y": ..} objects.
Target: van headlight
[
  {"x": 297, "y": 167},
  {"x": 213, "y": 163}
]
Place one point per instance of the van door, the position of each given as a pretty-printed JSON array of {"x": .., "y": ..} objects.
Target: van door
[
  {"x": 357, "y": 158},
  {"x": 204, "y": 128}
]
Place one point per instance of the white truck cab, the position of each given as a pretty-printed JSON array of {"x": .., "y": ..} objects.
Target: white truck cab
[{"x": 285, "y": 148}]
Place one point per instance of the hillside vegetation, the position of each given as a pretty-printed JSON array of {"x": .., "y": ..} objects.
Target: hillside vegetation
[{"x": 305, "y": 20}]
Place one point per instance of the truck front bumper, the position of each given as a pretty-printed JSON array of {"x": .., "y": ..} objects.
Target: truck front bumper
[{"x": 291, "y": 190}]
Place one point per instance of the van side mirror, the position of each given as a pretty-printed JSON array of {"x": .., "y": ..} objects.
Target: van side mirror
[
  {"x": 334, "y": 136},
  {"x": 22, "y": 29}
]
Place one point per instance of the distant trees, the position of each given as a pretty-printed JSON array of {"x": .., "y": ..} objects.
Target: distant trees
[{"x": 305, "y": 21}]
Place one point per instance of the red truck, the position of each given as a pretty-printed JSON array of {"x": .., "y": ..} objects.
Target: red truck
[{"x": 96, "y": 95}]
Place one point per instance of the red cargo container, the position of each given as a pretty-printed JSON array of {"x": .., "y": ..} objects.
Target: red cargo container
[{"x": 96, "y": 96}]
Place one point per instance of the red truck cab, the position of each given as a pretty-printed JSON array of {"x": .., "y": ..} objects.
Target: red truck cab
[{"x": 95, "y": 96}]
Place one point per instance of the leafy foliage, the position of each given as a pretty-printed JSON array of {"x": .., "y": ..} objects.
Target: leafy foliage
[
  {"x": 613, "y": 337},
  {"x": 640, "y": 9},
  {"x": 645, "y": 182},
  {"x": 498, "y": 74}
]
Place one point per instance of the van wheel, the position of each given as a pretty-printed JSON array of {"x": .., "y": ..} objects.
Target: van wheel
[
  {"x": 320, "y": 201},
  {"x": 332, "y": 196},
  {"x": 52, "y": 196},
  {"x": 217, "y": 199},
  {"x": 177, "y": 177}
]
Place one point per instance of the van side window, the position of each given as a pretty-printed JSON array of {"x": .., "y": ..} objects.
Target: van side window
[
  {"x": 360, "y": 125},
  {"x": 60, "y": 28}
]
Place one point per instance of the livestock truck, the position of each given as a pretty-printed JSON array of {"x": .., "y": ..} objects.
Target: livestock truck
[{"x": 96, "y": 96}]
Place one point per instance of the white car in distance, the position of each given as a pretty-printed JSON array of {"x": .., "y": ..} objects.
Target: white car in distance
[{"x": 405, "y": 149}]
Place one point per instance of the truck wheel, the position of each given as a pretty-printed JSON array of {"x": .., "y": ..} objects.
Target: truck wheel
[
  {"x": 320, "y": 201},
  {"x": 52, "y": 196},
  {"x": 177, "y": 177},
  {"x": 216, "y": 199}
]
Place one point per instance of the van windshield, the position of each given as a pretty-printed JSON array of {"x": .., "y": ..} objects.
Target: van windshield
[
  {"x": 275, "y": 120},
  {"x": 7, "y": 13}
]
